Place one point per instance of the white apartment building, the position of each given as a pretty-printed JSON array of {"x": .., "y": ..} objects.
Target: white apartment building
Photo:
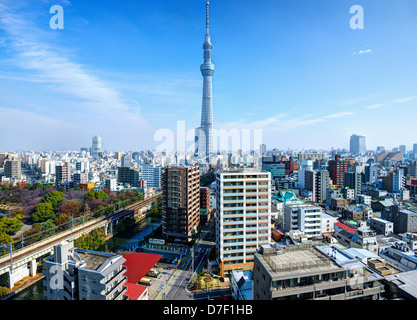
[
  {"x": 363, "y": 199},
  {"x": 152, "y": 173},
  {"x": 243, "y": 219},
  {"x": 303, "y": 217}
]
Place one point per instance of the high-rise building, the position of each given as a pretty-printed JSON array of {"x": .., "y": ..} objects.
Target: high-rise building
[
  {"x": 181, "y": 202},
  {"x": 12, "y": 169},
  {"x": 243, "y": 212},
  {"x": 79, "y": 178},
  {"x": 63, "y": 173},
  {"x": 204, "y": 198},
  {"x": 306, "y": 165},
  {"x": 371, "y": 172},
  {"x": 403, "y": 149},
  {"x": 152, "y": 174},
  {"x": 357, "y": 144},
  {"x": 96, "y": 148},
  {"x": 127, "y": 175},
  {"x": 415, "y": 148},
  {"x": 262, "y": 149},
  {"x": 204, "y": 134},
  {"x": 111, "y": 184},
  {"x": 317, "y": 182},
  {"x": 353, "y": 180},
  {"x": 127, "y": 160},
  {"x": 337, "y": 169},
  {"x": 75, "y": 274}
]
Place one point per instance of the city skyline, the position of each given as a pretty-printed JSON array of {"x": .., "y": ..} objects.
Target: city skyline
[{"x": 125, "y": 71}]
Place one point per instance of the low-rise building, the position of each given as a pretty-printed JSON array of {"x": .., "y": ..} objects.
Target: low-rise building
[
  {"x": 241, "y": 284},
  {"x": 309, "y": 272},
  {"x": 382, "y": 226},
  {"x": 76, "y": 274}
]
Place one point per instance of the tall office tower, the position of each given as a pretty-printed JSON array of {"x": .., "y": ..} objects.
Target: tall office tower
[
  {"x": 403, "y": 149},
  {"x": 13, "y": 169},
  {"x": 353, "y": 180},
  {"x": 127, "y": 160},
  {"x": 75, "y": 274},
  {"x": 243, "y": 217},
  {"x": 371, "y": 172},
  {"x": 181, "y": 202},
  {"x": 262, "y": 149},
  {"x": 204, "y": 134},
  {"x": 317, "y": 182},
  {"x": 337, "y": 169},
  {"x": 415, "y": 148},
  {"x": 152, "y": 174},
  {"x": 63, "y": 173},
  {"x": 306, "y": 165},
  {"x": 96, "y": 148},
  {"x": 357, "y": 144}
]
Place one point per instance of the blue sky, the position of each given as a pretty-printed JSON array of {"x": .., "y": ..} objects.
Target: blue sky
[{"x": 126, "y": 69}]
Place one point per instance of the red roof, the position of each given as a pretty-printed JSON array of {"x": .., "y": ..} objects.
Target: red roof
[
  {"x": 134, "y": 291},
  {"x": 345, "y": 227},
  {"x": 138, "y": 264}
]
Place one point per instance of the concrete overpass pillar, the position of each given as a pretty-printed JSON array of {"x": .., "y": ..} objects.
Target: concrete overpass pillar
[
  {"x": 33, "y": 266},
  {"x": 105, "y": 230},
  {"x": 11, "y": 280}
]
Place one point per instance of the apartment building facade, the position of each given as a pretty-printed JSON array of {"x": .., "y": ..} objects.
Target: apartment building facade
[
  {"x": 304, "y": 217},
  {"x": 181, "y": 202},
  {"x": 243, "y": 204}
]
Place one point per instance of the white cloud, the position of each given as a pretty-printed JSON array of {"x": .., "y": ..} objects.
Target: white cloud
[
  {"x": 401, "y": 100},
  {"x": 360, "y": 52},
  {"x": 282, "y": 123}
]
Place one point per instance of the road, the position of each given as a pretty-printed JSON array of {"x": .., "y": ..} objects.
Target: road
[{"x": 179, "y": 290}]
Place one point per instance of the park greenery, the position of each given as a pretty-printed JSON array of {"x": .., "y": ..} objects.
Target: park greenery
[{"x": 48, "y": 210}]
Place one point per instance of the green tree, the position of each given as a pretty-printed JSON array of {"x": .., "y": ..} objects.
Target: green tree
[
  {"x": 5, "y": 239},
  {"x": 10, "y": 226},
  {"x": 33, "y": 234},
  {"x": 91, "y": 241},
  {"x": 48, "y": 228},
  {"x": 138, "y": 194},
  {"x": 54, "y": 197},
  {"x": 43, "y": 212},
  {"x": 4, "y": 291},
  {"x": 100, "y": 195},
  {"x": 36, "y": 185}
]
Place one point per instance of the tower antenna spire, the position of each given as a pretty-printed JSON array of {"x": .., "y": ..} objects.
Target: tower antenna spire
[{"x": 207, "y": 15}]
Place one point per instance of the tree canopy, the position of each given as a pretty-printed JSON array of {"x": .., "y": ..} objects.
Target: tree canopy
[
  {"x": 43, "y": 212},
  {"x": 54, "y": 197}
]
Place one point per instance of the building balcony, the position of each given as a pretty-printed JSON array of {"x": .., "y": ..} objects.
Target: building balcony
[
  {"x": 122, "y": 270},
  {"x": 112, "y": 290},
  {"x": 119, "y": 296}
]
